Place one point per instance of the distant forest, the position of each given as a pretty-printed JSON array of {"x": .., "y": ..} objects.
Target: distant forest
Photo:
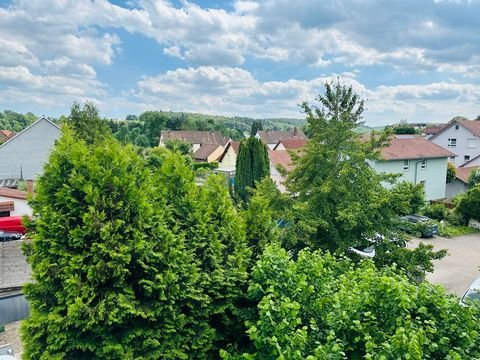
[{"x": 144, "y": 129}]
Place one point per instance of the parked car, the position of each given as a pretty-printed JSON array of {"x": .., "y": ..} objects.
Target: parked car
[
  {"x": 418, "y": 225},
  {"x": 368, "y": 248},
  {"x": 472, "y": 293},
  {"x": 9, "y": 236}
]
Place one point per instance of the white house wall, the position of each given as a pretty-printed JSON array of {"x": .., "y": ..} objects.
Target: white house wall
[
  {"x": 462, "y": 135},
  {"x": 28, "y": 151},
  {"x": 21, "y": 206},
  {"x": 434, "y": 176}
]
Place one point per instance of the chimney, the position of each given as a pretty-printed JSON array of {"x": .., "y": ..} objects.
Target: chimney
[
  {"x": 295, "y": 131},
  {"x": 29, "y": 186}
]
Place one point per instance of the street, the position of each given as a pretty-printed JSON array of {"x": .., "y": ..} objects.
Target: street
[{"x": 460, "y": 267}]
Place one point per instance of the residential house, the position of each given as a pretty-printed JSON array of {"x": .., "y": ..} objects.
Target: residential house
[
  {"x": 23, "y": 155},
  {"x": 279, "y": 159},
  {"x": 460, "y": 184},
  {"x": 13, "y": 202},
  {"x": 290, "y": 144},
  {"x": 195, "y": 138},
  {"x": 460, "y": 137},
  {"x": 228, "y": 159},
  {"x": 431, "y": 130},
  {"x": 208, "y": 152},
  {"x": 416, "y": 160},
  {"x": 272, "y": 137},
  {"x": 5, "y": 135},
  {"x": 475, "y": 161}
]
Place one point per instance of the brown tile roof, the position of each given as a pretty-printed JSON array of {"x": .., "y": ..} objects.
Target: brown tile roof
[
  {"x": 205, "y": 151},
  {"x": 432, "y": 130},
  {"x": 195, "y": 137},
  {"x": 413, "y": 147},
  {"x": 464, "y": 172},
  {"x": 273, "y": 137},
  {"x": 293, "y": 144},
  {"x": 235, "y": 146},
  {"x": 282, "y": 158},
  {"x": 13, "y": 193},
  {"x": 6, "y": 134}
]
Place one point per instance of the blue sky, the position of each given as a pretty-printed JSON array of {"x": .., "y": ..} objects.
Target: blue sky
[{"x": 414, "y": 60}]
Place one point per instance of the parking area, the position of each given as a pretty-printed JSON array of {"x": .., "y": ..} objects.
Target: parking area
[{"x": 460, "y": 267}]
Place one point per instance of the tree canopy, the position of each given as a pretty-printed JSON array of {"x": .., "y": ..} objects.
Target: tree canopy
[{"x": 252, "y": 166}]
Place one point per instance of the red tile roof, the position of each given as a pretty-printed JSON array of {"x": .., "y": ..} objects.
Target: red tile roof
[
  {"x": 432, "y": 130},
  {"x": 293, "y": 144},
  {"x": 413, "y": 147},
  {"x": 235, "y": 146},
  {"x": 195, "y": 137},
  {"x": 6, "y": 134},
  {"x": 273, "y": 137},
  {"x": 282, "y": 158},
  {"x": 13, "y": 193},
  {"x": 464, "y": 172}
]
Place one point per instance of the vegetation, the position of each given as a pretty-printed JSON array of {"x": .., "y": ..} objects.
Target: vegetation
[
  {"x": 469, "y": 204},
  {"x": 86, "y": 123},
  {"x": 256, "y": 126},
  {"x": 451, "y": 173},
  {"x": 131, "y": 261},
  {"x": 10, "y": 120},
  {"x": 321, "y": 307},
  {"x": 252, "y": 166},
  {"x": 404, "y": 128},
  {"x": 407, "y": 198},
  {"x": 474, "y": 178}
]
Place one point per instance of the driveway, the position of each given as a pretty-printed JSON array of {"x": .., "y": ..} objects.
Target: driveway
[{"x": 460, "y": 267}]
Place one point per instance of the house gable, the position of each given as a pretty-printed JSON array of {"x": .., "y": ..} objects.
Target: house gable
[{"x": 24, "y": 154}]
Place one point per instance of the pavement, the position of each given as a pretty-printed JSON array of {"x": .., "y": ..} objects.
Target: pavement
[{"x": 460, "y": 267}]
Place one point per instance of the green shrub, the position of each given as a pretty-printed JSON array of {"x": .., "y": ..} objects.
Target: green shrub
[
  {"x": 435, "y": 211},
  {"x": 204, "y": 165}
]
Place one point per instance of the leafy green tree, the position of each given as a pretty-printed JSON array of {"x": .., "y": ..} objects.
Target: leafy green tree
[
  {"x": 86, "y": 123},
  {"x": 407, "y": 197},
  {"x": 260, "y": 218},
  {"x": 252, "y": 166},
  {"x": 404, "y": 128},
  {"x": 181, "y": 146},
  {"x": 451, "y": 173},
  {"x": 474, "y": 178},
  {"x": 153, "y": 123},
  {"x": 215, "y": 234},
  {"x": 256, "y": 126},
  {"x": 469, "y": 204},
  {"x": 110, "y": 279},
  {"x": 339, "y": 197},
  {"x": 321, "y": 307}
]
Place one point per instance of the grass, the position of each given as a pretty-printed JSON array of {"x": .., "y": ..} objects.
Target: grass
[{"x": 449, "y": 231}]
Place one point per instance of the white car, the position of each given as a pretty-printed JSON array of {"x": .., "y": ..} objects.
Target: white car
[{"x": 472, "y": 293}]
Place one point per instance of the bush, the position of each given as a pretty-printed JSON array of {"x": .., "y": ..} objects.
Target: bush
[
  {"x": 435, "y": 211},
  {"x": 204, "y": 165},
  {"x": 469, "y": 204}
]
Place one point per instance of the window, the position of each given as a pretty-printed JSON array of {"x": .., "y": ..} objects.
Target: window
[
  {"x": 457, "y": 127},
  {"x": 451, "y": 159},
  {"x": 466, "y": 158},
  {"x": 423, "y": 164},
  {"x": 452, "y": 142},
  {"x": 472, "y": 143},
  {"x": 406, "y": 164}
]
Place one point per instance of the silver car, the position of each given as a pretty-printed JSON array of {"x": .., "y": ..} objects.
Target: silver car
[{"x": 472, "y": 294}]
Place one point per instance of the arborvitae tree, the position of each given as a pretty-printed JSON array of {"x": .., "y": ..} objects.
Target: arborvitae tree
[
  {"x": 110, "y": 280},
  {"x": 260, "y": 218},
  {"x": 87, "y": 124},
  {"x": 252, "y": 165},
  {"x": 256, "y": 126},
  {"x": 215, "y": 235}
]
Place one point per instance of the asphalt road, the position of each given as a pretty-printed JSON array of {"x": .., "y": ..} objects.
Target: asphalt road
[{"x": 460, "y": 267}]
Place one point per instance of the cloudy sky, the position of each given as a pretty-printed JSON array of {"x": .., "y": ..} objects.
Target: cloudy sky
[{"x": 411, "y": 59}]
